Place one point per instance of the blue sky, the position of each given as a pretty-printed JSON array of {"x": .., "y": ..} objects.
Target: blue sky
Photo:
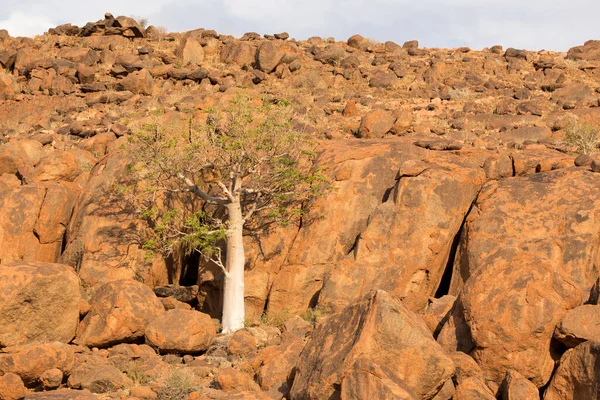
[{"x": 530, "y": 24}]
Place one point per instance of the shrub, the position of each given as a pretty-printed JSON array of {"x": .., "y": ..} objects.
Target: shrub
[{"x": 583, "y": 135}]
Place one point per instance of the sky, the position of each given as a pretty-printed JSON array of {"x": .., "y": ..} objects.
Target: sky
[{"x": 527, "y": 24}]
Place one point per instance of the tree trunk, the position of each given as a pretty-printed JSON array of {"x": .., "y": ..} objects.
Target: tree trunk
[{"x": 233, "y": 291}]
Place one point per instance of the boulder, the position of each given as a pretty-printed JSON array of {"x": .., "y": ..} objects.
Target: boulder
[
  {"x": 190, "y": 52},
  {"x": 65, "y": 165},
  {"x": 383, "y": 80},
  {"x": 9, "y": 87},
  {"x": 376, "y": 123},
  {"x": 32, "y": 226},
  {"x": 119, "y": 312},
  {"x": 51, "y": 379},
  {"x": 525, "y": 268},
  {"x": 102, "y": 231},
  {"x": 382, "y": 331},
  {"x": 39, "y": 302},
  {"x": 181, "y": 331},
  {"x": 516, "y": 387},
  {"x": 473, "y": 388},
  {"x": 268, "y": 56},
  {"x": 238, "y": 53},
  {"x": 407, "y": 243},
  {"x": 358, "y": 42},
  {"x": 18, "y": 156},
  {"x": 229, "y": 379},
  {"x": 274, "y": 364},
  {"x": 366, "y": 379},
  {"x": 138, "y": 82},
  {"x": 32, "y": 360},
  {"x": 97, "y": 375},
  {"x": 579, "y": 325},
  {"x": 12, "y": 387},
  {"x": 241, "y": 344},
  {"x": 578, "y": 374},
  {"x": 349, "y": 222}
]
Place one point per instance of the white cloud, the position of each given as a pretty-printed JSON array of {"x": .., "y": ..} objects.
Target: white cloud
[
  {"x": 532, "y": 24},
  {"x": 21, "y": 24}
]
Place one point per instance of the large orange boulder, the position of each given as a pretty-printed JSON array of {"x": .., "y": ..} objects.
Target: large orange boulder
[
  {"x": 39, "y": 302},
  {"x": 406, "y": 245},
  {"x": 386, "y": 336},
  {"x": 528, "y": 254},
  {"x": 103, "y": 235},
  {"x": 181, "y": 331},
  {"x": 578, "y": 374},
  {"x": 32, "y": 224},
  {"x": 32, "y": 360},
  {"x": 120, "y": 312},
  {"x": 375, "y": 124},
  {"x": 268, "y": 56},
  {"x": 389, "y": 223},
  {"x": 274, "y": 364},
  {"x": 579, "y": 325},
  {"x": 12, "y": 387},
  {"x": 368, "y": 380}
]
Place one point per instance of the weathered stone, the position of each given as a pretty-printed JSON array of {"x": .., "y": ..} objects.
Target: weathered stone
[
  {"x": 120, "y": 312},
  {"x": 51, "y": 379},
  {"x": 229, "y": 379},
  {"x": 12, "y": 387},
  {"x": 181, "y": 331},
  {"x": 368, "y": 380},
  {"x": 473, "y": 388},
  {"x": 268, "y": 56},
  {"x": 241, "y": 344},
  {"x": 38, "y": 302},
  {"x": 190, "y": 51},
  {"x": 514, "y": 269},
  {"x": 577, "y": 375},
  {"x": 516, "y": 387},
  {"x": 579, "y": 325},
  {"x": 383, "y": 80},
  {"x": 32, "y": 360},
  {"x": 365, "y": 329},
  {"x": 274, "y": 365},
  {"x": 376, "y": 124},
  {"x": 139, "y": 82},
  {"x": 97, "y": 375}
]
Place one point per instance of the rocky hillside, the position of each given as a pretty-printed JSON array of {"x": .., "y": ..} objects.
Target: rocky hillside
[{"x": 457, "y": 255}]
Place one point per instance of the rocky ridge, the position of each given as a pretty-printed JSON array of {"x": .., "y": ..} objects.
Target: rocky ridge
[{"x": 456, "y": 258}]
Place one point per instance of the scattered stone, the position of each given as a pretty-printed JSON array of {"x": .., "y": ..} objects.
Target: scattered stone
[
  {"x": 376, "y": 123},
  {"x": 38, "y": 302},
  {"x": 181, "y": 331},
  {"x": 12, "y": 387},
  {"x": 579, "y": 325},
  {"x": 119, "y": 313},
  {"x": 51, "y": 379}
]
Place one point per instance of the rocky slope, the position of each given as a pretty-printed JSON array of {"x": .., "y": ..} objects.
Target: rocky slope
[{"x": 457, "y": 256}]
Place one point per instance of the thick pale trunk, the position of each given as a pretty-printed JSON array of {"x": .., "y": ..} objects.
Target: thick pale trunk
[{"x": 233, "y": 291}]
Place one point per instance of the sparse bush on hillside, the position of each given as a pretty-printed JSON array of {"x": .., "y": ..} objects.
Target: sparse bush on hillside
[
  {"x": 581, "y": 134},
  {"x": 178, "y": 386},
  {"x": 143, "y": 21}
]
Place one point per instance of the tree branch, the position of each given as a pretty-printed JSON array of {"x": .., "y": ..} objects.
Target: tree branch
[
  {"x": 196, "y": 190},
  {"x": 226, "y": 191}
]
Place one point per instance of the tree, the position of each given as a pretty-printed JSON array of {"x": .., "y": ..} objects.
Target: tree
[{"x": 247, "y": 166}]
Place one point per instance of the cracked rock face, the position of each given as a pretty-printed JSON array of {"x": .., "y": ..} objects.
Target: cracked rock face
[{"x": 528, "y": 254}]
